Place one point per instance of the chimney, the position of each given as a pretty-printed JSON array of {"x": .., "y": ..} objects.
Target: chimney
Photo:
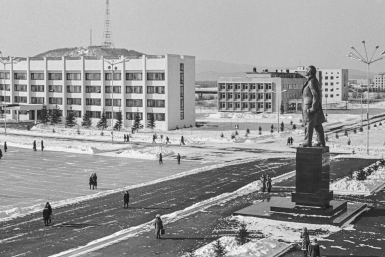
[{"x": 255, "y": 69}]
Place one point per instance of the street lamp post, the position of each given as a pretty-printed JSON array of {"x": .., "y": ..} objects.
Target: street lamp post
[
  {"x": 5, "y": 61},
  {"x": 367, "y": 61},
  {"x": 361, "y": 105},
  {"x": 279, "y": 105},
  {"x": 113, "y": 68}
]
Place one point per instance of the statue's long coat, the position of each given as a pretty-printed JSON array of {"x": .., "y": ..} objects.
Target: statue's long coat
[{"x": 312, "y": 98}]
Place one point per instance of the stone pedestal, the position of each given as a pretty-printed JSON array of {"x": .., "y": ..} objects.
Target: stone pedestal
[{"x": 312, "y": 177}]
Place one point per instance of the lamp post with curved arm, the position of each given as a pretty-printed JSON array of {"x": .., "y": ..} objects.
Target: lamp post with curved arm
[
  {"x": 5, "y": 61},
  {"x": 113, "y": 68},
  {"x": 367, "y": 61}
]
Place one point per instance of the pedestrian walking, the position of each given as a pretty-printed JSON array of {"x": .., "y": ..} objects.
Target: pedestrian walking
[
  {"x": 160, "y": 158},
  {"x": 126, "y": 198},
  {"x": 34, "y": 145},
  {"x": 288, "y": 141},
  {"x": 305, "y": 241},
  {"x": 314, "y": 249},
  {"x": 181, "y": 140},
  {"x": 1, "y": 154},
  {"x": 128, "y": 137},
  {"x": 5, "y": 147},
  {"x": 268, "y": 183},
  {"x": 125, "y": 138},
  {"x": 178, "y": 158},
  {"x": 42, "y": 145},
  {"x": 158, "y": 224},
  {"x": 45, "y": 215},
  {"x": 263, "y": 183},
  {"x": 167, "y": 140},
  {"x": 47, "y": 205},
  {"x": 153, "y": 139}
]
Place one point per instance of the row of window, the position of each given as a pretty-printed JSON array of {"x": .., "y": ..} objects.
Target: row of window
[
  {"x": 245, "y": 96},
  {"x": 89, "y": 89},
  {"x": 88, "y": 76},
  {"x": 246, "y": 105},
  {"x": 245, "y": 86}
]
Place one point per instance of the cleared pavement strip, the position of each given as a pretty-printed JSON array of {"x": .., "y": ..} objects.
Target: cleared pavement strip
[{"x": 169, "y": 218}]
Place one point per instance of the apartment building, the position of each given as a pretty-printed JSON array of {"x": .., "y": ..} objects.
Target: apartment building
[
  {"x": 335, "y": 84},
  {"x": 261, "y": 92},
  {"x": 163, "y": 86},
  {"x": 379, "y": 82}
]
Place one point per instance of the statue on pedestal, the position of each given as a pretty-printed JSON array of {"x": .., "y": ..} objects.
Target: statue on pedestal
[{"x": 312, "y": 114}]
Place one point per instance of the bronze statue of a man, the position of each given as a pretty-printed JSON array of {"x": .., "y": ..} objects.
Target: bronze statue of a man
[{"x": 312, "y": 114}]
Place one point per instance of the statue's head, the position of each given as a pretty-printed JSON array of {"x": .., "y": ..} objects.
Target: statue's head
[{"x": 311, "y": 71}]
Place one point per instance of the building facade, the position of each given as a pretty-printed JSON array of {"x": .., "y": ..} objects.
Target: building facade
[
  {"x": 379, "y": 82},
  {"x": 163, "y": 86},
  {"x": 335, "y": 84},
  {"x": 261, "y": 92}
]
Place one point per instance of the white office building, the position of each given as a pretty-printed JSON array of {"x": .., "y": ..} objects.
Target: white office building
[
  {"x": 335, "y": 84},
  {"x": 163, "y": 86}
]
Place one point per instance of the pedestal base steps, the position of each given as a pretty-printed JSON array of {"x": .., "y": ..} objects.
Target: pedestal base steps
[{"x": 281, "y": 208}]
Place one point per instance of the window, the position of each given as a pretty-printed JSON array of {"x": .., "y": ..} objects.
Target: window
[
  {"x": 54, "y": 76},
  {"x": 134, "y": 76},
  {"x": 182, "y": 115},
  {"x": 134, "y": 89},
  {"x": 181, "y": 104},
  {"x": 229, "y": 105},
  {"x": 37, "y": 88},
  {"x": 155, "y": 76},
  {"x": 117, "y": 102},
  {"x": 244, "y": 96},
  {"x": 157, "y": 116},
  {"x": 117, "y": 76},
  {"x": 117, "y": 89},
  {"x": 155, "y": 103},
  {"x": 93, "y": 101},
  {"x": 55, "y": 88},
  {"x": 326, "y": 89},
  {"x": 74, "y": 89},
  {"x": 331, "y": 90},
  {"x": 2, "y": 75},
  {"x": 94, "y": 114},
  {"x": 20, "y": 75},
  {"x": 6, "y": 86},
  {"x": 22, "y": 88},
  {"x": 268, "y": 105},
  {"x": 331, "y": 95},
  {"x": 181, "y": 78},
  {"x": 74, "y": 101},
  {"x": 230, "y": 95},
  {"x": 93, "y": 89},
  {"x": 331, "y": 83},
  {"x": 132, "y": 115},
  {"x": 237, "y": 105},
  {"x": 5, "y": 98},
  {"x": 93, "y": 76},
  {"x": 331, "y": 77},
  {"x": 37, "y": 100},
  {"x": 268, "y": 86},
  {"x": 252, "y": 105},
  {"x": 181, "y": 91},
  {"x": 260, "y": 86},
  {"x": 252, "y": 96},
  {"x": 245, "y": 86},
  {"x": 326, "y": 83},
  {"x": 222, "y": 86},
  {"x": 252, "y": 86},
  {"x": 223, "y": 105},
  {"x": 20, "y": 99},
  {"x": 77, "y": 114},
  {"x": 182, "y": 67},
  {"x": 268, "y": 96},
  {"x": 37, "y": 76},
  {"x": 134, "y": 102},
  {"x": 326, "y": 77},
  {"x": 260, "y": 96},
  {"x": 326, "y": 95},
  {"x": 237, "y": 86},
  {"x": 73, "y": 76},
  {"x": 155, "y": 90},
  {"x": 337, "y": 94},
  {"x": 223, "y": 95},
  {"x": 244, "y": 105},
  {"x": 55, "y": 100},
  {"x": 229, "y": 86}
]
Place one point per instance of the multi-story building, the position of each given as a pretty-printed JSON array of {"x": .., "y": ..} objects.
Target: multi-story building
[
  {"x": 261, "y": 92},
  {"x": 163, "y": 86},
  {"x": 379, "y": 82},
  {"x": 335, "y": 84}
]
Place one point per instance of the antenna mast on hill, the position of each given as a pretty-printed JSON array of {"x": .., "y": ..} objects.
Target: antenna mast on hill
[{"x": 107, "y": 28}]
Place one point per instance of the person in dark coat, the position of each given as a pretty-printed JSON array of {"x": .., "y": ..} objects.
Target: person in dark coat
[
  {"x": 125, "y": 138},
  {"x": 42, "y": 145},
  {"x": 314, "y": 249},
  {"x": 91, "y": 180},
  {"x": 48, "y": 206},
  {"x": 291, "y": 140},
  {"x": 158, "y": 224},
  {"x": 263, "y": 182},
  {"x": 178, "y": 158},
  {"x": 128, "y": 137},
  {"x": 160, "y": 158},
  {"x": 288, "y": 141},
  {"x": 45, "y": 216},
  {"x": 34, "y": 145},
  {"x": 126, "y": 198},
  {"x": 153, "y": 139},
  {"x": 268, "y": 183},
  {"x": 305, "y": 241},
  {"x": 167, "y": 141},
  {"x": 1, "y": 154},
  {"x": 181, "y": 140},
  {"x": 5, "y": 147},
  {"x": 95, "y": 181}
]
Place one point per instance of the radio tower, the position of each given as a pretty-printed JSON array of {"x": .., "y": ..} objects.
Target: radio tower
[{"x": 107, "y": 28}]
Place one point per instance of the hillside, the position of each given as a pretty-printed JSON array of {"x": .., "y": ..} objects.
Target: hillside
[{"x": 89, "y": 51}]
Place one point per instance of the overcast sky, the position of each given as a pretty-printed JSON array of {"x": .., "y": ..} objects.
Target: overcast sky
[{"x": 264, "y": 33}]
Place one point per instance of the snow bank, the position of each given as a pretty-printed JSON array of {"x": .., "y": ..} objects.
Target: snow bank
[{"x": 146, "y": 153}]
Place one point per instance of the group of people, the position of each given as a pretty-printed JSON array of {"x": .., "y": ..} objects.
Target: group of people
[
  {"x": 34, "y": 145},
  {"x": 266, "y": 183},
  {"x": 126, "y": 137},
  {"x": 309, "y": 249},
  {"x": 161, "y": 158},
  {"x": 47, "y": 214},
  {"x": 290, "y": 141},
  {"x": 93, "y": 181}
]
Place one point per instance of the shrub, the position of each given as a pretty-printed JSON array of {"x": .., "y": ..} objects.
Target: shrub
[
  {"x": 326, "y": 138},
  {"x": 176, "y": 127},
  {"x": 354, "y": 130},
  {"x": 247, "y": 131},
  {"x": 380, "y": 124},
  {"x": 337, "y": 135},
  {"x": 375, "y": 125},
  {"x": 291, "y": 122},
  {"x": 243, "y": 235},
  {"x": 219, "y": 249},
  {"x": 349, "y": 141},
  {"x": 350, "y": 174},
  {"x": 294, "y": 126},
  {"x": 232, "y": 136},
  {"x": 236, "y": 133},
  {"x": 53, "y": 130},
  {"x": 260, "y": 130},
  {"x": 222, "y": 134},
  {"x": 361, "y": 175},
  {"x": 361, "y": 129}
]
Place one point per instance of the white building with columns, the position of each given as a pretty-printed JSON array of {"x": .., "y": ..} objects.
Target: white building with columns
[{"x": 162, "y": 85}]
